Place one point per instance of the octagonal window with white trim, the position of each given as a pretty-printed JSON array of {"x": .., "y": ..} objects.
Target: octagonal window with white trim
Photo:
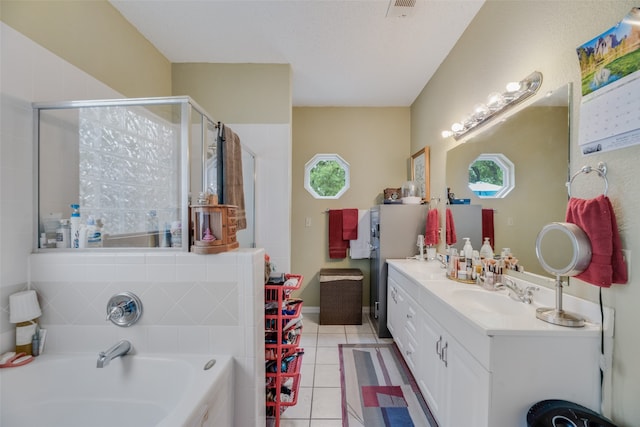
[
  {"x": 492, "y": 176},
  {"x": 326, "y": 176}
]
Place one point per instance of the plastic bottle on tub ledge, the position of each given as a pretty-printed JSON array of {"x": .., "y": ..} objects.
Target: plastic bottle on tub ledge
[
  {"x": 74, "y": 223},
  {"x": 153, "y": 229}
]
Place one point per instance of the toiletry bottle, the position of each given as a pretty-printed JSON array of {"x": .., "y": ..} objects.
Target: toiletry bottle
[
  {"x": 94, "y": 233},
  {"x": 82, "y": 236},
  {"x": 176, "y": 234},
  {"x": 74, "y": 222},
  {"x": 165, "y": 237},
  {"x": 453, "y": 263},
  {"x": 63, "y": 234},
  {"x": 486, "y": 251},
  {"x": 477, "y": 266},
  {"x": 468, "y": 249},
  {"x": 152, "y": 229},
  {"x": 35, "y": 343}
]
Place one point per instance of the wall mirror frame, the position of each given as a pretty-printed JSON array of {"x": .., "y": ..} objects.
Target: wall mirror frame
[{"x": 536, "y": 139}]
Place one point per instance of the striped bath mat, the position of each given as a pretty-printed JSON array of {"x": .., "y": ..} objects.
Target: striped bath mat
[{"x": 378, "y": 390}]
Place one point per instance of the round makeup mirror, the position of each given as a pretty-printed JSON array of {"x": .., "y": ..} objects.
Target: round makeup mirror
[{"x": 563, "y": 249}]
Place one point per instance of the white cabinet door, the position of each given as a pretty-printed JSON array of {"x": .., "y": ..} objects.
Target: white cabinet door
[
  {"x": 454, "y": 384},
  {"x": 430, "y": 375},
  {"x": 392, "y": 307},
  {"x": 467, "y": 387}
]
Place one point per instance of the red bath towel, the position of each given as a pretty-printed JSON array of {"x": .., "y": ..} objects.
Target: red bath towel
[
  {"x": 487, "y": 226},
  {"x": 451, "y": 228},
  {"x": 349, "y": 224},
  {"x": 597, "y": 219},
  {"x": 337, "y": 244},
  {"x": 431, "y": 234}
]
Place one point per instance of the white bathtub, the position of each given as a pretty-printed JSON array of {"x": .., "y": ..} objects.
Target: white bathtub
[{"x": 136, "y": 390}]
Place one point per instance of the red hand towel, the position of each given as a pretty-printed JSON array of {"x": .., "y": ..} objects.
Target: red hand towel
[
  {"x": 337, "y": 245},
  {"x": 451, "y": 228},
  {"x": 487, "y": 226},
  {"x": 349, "y": 224},
  {"x": 431, "y": 235},
  {"x": 597, "y": 219}
]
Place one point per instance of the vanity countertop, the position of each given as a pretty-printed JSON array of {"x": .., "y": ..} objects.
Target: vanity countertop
[{"x": 493, "y": 313}]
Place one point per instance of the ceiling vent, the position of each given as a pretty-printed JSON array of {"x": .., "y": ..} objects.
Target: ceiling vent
[{"x": 401, "y": 8}]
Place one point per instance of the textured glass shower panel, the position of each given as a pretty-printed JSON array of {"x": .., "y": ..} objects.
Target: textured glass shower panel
[{"x": 129, "y": 161}]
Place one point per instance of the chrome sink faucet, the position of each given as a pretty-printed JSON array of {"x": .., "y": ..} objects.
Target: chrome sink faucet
[
  {"x": 517, "y": 293},
  {"x": 118, "y": 350}
]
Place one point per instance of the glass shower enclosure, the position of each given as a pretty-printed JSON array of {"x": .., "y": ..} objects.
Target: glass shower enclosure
[{"x": 131, "y": 165}]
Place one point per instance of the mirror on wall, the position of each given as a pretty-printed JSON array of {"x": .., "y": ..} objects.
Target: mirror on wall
[{"x": 536, "y": 141}]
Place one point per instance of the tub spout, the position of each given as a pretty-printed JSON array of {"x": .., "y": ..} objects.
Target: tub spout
[{"x": 120, "y": 349}]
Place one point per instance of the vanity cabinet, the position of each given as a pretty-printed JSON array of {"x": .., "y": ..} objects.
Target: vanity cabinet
[
  {"x": 474, "y": 375},
  {"x": 450, "y": 378},
  {"x": 402, "y": 322}
]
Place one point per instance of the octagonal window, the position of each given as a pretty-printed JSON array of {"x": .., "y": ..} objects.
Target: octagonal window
[
  {"x": 326, "y": 176},
  {"x": 491, "y": 176}
]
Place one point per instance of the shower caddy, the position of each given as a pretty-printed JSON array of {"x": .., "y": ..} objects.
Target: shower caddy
[{"x": 283, "y": 356}]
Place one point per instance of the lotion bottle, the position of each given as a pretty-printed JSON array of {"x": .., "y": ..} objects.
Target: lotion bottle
[{"x": 486, "y": 251}]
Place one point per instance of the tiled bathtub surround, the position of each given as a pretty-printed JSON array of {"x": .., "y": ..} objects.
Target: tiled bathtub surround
[{"x": 192, "y": 304}]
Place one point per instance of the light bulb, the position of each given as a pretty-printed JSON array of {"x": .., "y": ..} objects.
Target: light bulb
[
  {"x": 513, "y": 86},
  {"x": 480, "y": 111},
  {"x": 457, "y": 127},
  {"x": 446, "y": 133},
  {"x": 495, "y": 101}
]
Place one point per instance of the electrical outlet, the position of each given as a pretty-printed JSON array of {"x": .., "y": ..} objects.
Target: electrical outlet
[{"x": 627, "y": 259}]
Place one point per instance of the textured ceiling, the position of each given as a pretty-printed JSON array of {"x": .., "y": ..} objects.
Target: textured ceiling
[{"x": 342, "y": 52}]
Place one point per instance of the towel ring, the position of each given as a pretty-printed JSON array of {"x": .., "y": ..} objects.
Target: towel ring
[{"x": 601, "y": 171}]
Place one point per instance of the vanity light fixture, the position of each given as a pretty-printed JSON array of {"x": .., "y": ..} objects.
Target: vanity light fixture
[{"x": 496, "y": 104}]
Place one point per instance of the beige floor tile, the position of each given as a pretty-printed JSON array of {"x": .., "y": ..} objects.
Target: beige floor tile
[
  {"x": 331, "y": 340},
  {"x": 294, "y": 423},
  {"x": 327, "y": 403},
  {"x": 331, "y": 329},
  {"x": 326, "y": 423},
  {"x": 308, "y": 340},
  {"x": 307, "y": 374},
  {"x": 365, "y": 328},
  {"x": 361, "y": 339},
  {"x": 302, "y": 409},
  {"x": 326, "y": 376},
  {"x": 327, "y": 356}
]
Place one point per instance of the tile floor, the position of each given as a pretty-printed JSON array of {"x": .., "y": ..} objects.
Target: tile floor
[{"x": 319, "y": 399}]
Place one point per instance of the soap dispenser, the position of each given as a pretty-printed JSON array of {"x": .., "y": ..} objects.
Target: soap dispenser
[
  {"x": 467, "y": 248},
  {"x": 486, "y": 251}
]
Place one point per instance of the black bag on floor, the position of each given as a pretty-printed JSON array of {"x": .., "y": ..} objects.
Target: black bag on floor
[{"x": 561, "y": 413}]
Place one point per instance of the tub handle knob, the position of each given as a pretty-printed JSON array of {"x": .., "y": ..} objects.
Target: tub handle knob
[{"x": 124, "y": 309}]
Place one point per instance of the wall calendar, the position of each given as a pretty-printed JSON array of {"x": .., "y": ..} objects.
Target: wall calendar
[{"x": 610, "y": 68}]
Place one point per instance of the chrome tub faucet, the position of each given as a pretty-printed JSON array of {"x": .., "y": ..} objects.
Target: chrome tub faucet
[{"x": 118, "y": 350}]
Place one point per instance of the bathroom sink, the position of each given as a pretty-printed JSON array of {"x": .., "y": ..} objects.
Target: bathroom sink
[{"x": 487, "y": 301}]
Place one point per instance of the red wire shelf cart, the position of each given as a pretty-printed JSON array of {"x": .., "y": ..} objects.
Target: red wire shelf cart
[{"x": 283, "y": 355}]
